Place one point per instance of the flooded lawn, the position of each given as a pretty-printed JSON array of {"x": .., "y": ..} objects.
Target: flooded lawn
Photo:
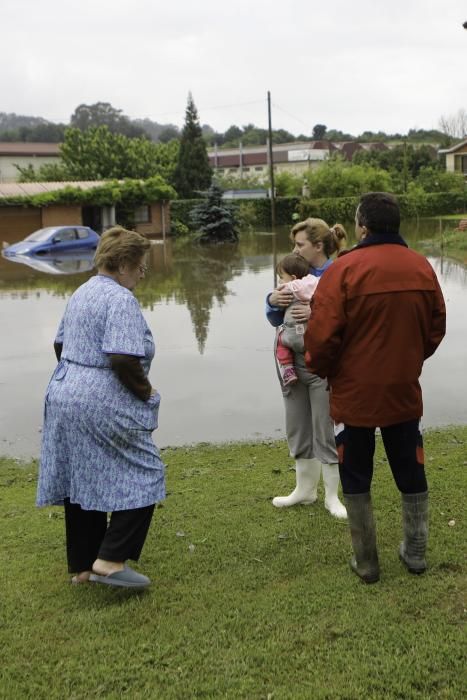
[{"x": 213, "y": 365}]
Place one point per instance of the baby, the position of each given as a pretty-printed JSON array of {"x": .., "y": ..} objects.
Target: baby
[{"x": 293, "y": 271}]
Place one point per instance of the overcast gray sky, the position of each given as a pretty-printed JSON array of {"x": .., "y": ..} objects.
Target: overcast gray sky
[{"x": 350, "y": 64}]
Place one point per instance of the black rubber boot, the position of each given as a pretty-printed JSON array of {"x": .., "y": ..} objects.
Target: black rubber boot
[
  {"x": 363, "y": 532},
  {"x": 415, "y": 526}
]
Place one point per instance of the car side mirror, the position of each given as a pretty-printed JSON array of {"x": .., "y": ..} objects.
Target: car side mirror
[{"x": 55, "y": 240}]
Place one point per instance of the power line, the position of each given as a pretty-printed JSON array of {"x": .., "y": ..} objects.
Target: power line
[
  {"x": 208, "y": 109},
  {"x": 290, "y": 115}
]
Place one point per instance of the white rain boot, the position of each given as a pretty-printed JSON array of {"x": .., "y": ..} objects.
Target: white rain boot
[
  {"x": 331, "y": 485},
  {"x": 307, "y": 473}
]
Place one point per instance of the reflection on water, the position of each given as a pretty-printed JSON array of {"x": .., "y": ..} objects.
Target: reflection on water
[
  {"x": 214, "y": 364},
  {"x": 66, "y": 264}
]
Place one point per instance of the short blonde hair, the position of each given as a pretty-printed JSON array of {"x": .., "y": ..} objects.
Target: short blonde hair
[
  {"x": 118, "y": 246},
  {"x": 317, "y": 231}
]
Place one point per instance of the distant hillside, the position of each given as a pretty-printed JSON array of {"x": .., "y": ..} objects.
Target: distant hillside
[
  {"x": 19, "y": 127},
  {"x": 11, "y": 120}
]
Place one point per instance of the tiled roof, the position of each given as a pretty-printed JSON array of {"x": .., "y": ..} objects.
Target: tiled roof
[
  {"x": 23, "y": 148},
  {"x": 19, "y": 189},
  {"x": 453, "y": 149}
]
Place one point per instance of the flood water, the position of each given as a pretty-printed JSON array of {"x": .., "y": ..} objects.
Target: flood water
[{"x": 213, "y": 366}]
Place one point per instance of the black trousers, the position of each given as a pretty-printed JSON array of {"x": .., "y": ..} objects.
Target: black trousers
[
  {"x": 89, "y": 536},
  {"x": 403, "y": 443}
]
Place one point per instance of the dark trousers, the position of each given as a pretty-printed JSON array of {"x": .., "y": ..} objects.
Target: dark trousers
[
  {"x": 403, "y": 443},
  {"x": 90, "y": 537}
]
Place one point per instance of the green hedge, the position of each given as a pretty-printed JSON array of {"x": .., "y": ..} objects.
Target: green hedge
[
  {"x": 330, "y": 209},
  {"x": 128, "y": 192},
  {"x": 425, "y": 204},
  {"x": 285, "y": 206},
  {"x": 180, "y": 213}
]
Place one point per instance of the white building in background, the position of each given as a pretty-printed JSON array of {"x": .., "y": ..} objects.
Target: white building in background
[
  {"x": 456, "y": 158},
  {"x": 297, "y": 158},
  {"x": 24, "y": 154}
]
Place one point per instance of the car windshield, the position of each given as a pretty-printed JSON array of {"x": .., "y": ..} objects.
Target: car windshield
[{"x": 41, "y": 235}]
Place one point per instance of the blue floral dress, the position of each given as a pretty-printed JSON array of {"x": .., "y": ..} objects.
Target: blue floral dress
[{"x": 97, "y": 449}]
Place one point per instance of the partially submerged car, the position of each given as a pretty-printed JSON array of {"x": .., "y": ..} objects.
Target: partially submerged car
[
  {"x": 53, "y": 241},
  {"x": 70, "y": 263}
]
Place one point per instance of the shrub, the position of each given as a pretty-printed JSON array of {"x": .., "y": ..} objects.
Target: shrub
[
  {"x": 288, "y": 185},
  {"x": 246, "y": 215},
  {"x": 179, "y": 228},
  {"x": 337, "y": 178},
  {"x": 214, "y": 219}
]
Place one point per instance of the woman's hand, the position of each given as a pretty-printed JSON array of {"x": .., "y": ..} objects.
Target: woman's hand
[
  {"x": 301, "y": 313},
  {"x": 281, "y": 298}
]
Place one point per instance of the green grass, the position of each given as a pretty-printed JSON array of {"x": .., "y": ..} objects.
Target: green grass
[
  {"x": 449, "y": 217},
  {"x": 455, "y": 239},
  {"x": 452, "y": 244},
  {"x": 247, "y": 601}
]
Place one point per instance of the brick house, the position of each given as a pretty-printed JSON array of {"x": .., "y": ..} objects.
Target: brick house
[{"x": 17, "y": 221}]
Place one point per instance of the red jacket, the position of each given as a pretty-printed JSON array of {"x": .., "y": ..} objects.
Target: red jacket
[{"x": 377, "y": 314}]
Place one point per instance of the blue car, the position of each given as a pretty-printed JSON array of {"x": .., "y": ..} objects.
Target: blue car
[{"x": 54, "y": 240}]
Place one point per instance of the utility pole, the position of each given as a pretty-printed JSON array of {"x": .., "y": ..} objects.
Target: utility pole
[{"x": 271, "y": 165}]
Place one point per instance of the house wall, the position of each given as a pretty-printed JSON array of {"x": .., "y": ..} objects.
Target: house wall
[
  {"x": 460, "y": 161},
  {"x": 59, "y": 215},
  {"x": 154, "y": 227},
  {"x": 455, "y": 161},
  {"x": 8, "y": 171},
  {"x": 18, "y": 222},
  {"x": 450, "y": 162}
]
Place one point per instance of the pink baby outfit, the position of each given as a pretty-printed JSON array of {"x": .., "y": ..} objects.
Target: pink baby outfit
[{"x": 289, "y": 337}]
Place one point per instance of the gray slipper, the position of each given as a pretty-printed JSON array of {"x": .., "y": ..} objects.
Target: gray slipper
[{"x": 125, "y": 579}]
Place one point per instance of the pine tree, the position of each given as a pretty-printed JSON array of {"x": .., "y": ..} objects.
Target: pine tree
[
  {"x": 214, "y": 219},
  {"x": 193, "y": 172}
]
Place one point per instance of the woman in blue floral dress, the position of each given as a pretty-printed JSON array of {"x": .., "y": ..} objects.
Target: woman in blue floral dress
[{"x": 97, "y": 454}]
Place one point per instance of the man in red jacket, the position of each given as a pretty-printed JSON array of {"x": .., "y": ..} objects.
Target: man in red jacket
[{"x": 377, "y": 314}]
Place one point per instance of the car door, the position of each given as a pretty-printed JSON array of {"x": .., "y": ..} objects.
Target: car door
[
  {"x": 63, "y": 240},
  {"x": 84, "y": 238}
]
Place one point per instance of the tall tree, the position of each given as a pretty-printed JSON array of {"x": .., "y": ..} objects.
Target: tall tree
[
  {"x": 193, "y": 172},
  {"x": 319, "y": 131},
  {"x": 98, "y": 154},
  {"x": 454, "y": 125},
  {"x": 103, "y": 114}
]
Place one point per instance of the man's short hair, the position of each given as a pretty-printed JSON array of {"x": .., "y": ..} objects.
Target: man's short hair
[{"x": 379, "y": 213}]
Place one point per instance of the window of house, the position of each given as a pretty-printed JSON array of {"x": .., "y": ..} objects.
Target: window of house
[
  {"x": 232, "y": 170},
  {"x": 246, "y": 170},
  {"x": 258, "y": 167},
  {"x": 143, "y": 214}
]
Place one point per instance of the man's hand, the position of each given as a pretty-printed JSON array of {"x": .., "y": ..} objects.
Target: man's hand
[
  {"x": 301, "y": 313},
  {"x": 281, "y": 298}
]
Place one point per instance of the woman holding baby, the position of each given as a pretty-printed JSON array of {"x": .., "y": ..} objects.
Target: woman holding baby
[{"x": 309, "y": 428}]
